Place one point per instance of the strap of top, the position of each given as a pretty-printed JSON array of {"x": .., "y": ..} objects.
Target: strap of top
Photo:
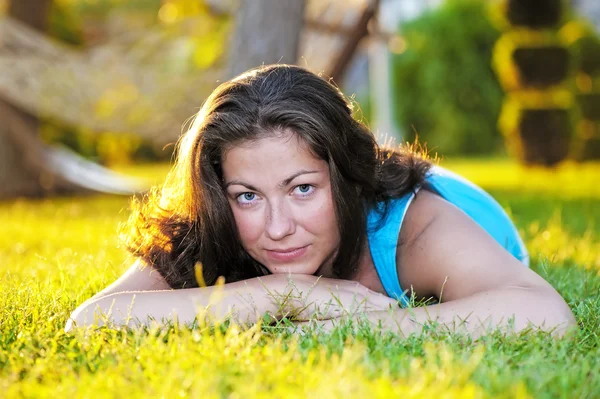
[{"x": 383, "y": 240}]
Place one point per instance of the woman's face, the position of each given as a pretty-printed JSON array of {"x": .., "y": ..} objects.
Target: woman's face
[{"x": 280, "y": 195}]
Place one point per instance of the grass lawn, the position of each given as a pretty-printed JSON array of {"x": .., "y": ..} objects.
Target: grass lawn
[{"x": 56, "y": 253}]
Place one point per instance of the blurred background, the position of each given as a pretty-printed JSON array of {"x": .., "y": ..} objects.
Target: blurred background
[{"x": 88, "y": 87}]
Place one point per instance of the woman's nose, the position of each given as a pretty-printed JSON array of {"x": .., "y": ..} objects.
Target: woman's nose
[{"x": 280, "y": 222}]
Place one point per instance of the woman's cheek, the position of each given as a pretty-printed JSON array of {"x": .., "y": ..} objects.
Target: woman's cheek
[
  {"x": 248, "y": 226},
  {"x": 321, "y": 215}
]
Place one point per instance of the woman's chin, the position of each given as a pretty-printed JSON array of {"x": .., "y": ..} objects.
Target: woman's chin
[{"x": 293, "y": 269}]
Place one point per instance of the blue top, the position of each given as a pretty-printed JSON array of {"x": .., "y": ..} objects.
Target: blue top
[{"x": 479, "y": 205}]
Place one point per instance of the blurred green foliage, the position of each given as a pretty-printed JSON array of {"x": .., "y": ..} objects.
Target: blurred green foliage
[
  {"x": 445, "y": 88},
  {"x": 64, "y": 24},
  {"x": 584, "y": 43},
  {"x": 103, "y": 7}
]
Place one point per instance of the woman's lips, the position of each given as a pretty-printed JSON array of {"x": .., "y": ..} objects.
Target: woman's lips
[{"x": 287, "y": 255}]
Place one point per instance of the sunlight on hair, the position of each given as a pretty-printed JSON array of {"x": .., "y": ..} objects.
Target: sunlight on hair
[
  {"x": 420, "y": 149},
  {"x": 416, "y": 147}
]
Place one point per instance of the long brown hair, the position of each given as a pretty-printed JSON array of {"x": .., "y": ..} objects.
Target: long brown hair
[{"x": 189, "y": 219}]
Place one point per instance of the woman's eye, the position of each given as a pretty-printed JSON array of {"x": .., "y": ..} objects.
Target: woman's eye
[
  {"x": 305, "y": 189},
  {"x": 246, "y": 198}
]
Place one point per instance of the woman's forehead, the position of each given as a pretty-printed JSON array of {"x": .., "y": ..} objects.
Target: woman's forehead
[
  {"x": 271, "y": 157},
  {"x": 271, "y": 142}
]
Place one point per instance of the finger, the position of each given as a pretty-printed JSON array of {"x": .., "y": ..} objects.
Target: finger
[{"x": 383, "y": 302}]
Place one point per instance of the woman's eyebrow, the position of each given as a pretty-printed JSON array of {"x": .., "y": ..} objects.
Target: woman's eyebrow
[
  {"x": 241, "y": 183},
  {"x": 292, "y": 177},
  {"x": 283, "y": 183}
]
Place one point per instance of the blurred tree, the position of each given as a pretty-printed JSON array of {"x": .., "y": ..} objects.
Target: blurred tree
[
  {"x": 21, "y": 171},
  {"x": 266, "y": 32}
]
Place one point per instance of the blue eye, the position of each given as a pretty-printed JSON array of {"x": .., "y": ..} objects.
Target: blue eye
[
  {"x": 305, "y": 189},
  {"x": 246, "y": 198}
]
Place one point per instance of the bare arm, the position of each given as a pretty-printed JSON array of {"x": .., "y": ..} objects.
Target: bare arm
[
  {"x": 510, "y": 309},
  {"x": 138, "y": 277},
  {"x": 141, "y": 307},
  {"x": 295, "y": 296}
]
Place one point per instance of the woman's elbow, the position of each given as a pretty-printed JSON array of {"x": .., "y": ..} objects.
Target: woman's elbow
[
  {"x": 556, "y": 316},
  {"x": 91, "y": 312},
  {"x": 78, "y": 317},
  {"x": 565, "y": 322}
]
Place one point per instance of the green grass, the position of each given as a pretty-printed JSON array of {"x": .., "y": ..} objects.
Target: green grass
[{"x": 56, "y": 253}]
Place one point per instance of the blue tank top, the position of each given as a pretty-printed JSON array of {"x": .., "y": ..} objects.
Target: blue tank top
[{"x": 479, "y": 205}]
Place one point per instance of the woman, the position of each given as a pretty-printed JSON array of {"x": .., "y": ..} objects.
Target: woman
[{"x": 280, "y": 191}]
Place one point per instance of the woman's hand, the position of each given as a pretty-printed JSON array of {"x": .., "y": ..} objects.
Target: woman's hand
[{"x": 307, "y": 297}]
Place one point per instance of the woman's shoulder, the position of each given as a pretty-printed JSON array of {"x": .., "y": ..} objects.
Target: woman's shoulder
[
  {"x": 442, "y": 249},
  {"x": 424, "y": 208},
  {"x": 138, "y": 277},
  {"x": 386, "y": 234},
  {"x": 427, "y": 223}
]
